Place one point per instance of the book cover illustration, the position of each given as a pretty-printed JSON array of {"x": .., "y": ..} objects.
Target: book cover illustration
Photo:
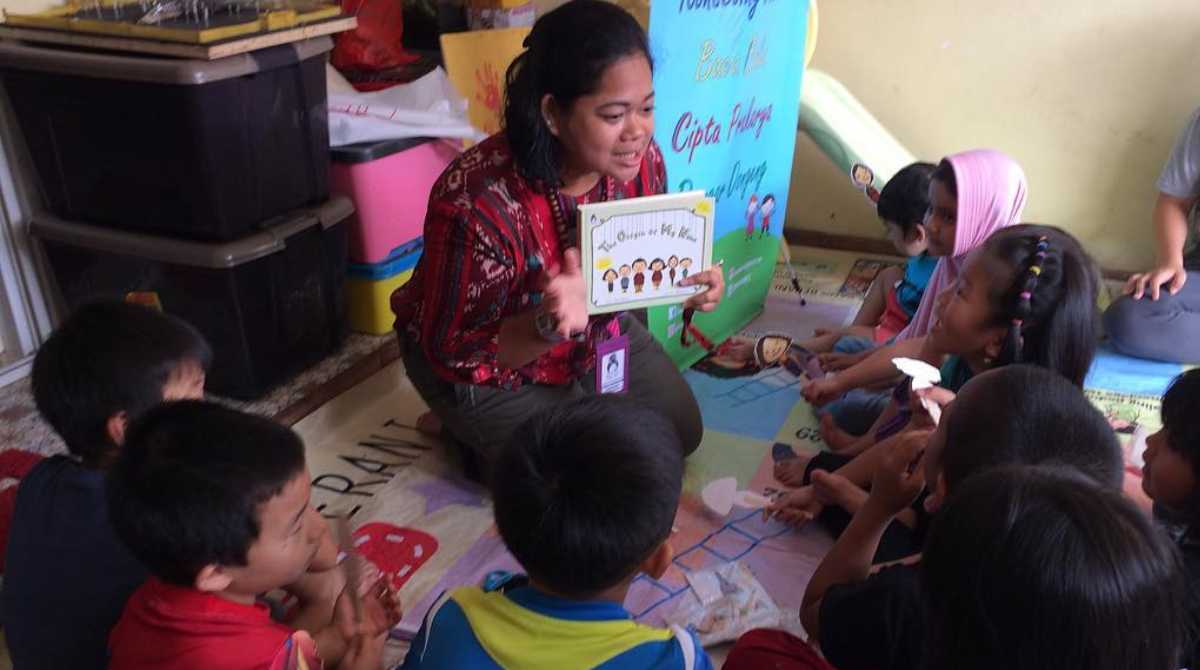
[{"x": 637, "y": 251}]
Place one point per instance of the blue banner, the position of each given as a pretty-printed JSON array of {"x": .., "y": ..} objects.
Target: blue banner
[{"x": 727, "y": 81}]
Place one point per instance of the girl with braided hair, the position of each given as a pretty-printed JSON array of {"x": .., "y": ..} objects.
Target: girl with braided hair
[{"x": 1028, "y": 295}]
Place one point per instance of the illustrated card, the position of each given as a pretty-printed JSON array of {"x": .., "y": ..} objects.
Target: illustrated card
[{"x": 637, "y": 251}]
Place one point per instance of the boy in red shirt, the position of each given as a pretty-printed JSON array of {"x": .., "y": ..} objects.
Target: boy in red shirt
[{"x": 215, "y": 503}]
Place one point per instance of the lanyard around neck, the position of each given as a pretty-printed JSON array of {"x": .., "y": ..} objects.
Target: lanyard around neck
[{"x": 560, "y": 204}]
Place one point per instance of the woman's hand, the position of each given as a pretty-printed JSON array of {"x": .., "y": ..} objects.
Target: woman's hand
[
  {"x": 564, "y": 295},
  {"x": 1173, "y": 276},
  {"x": 708, "y": 299}
]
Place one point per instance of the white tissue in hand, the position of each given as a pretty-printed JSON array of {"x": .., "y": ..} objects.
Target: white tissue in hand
[{"x": 923, "y": 374}]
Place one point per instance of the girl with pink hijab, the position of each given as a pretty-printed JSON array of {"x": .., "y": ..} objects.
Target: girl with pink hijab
[{"x": 973, "y": 194}]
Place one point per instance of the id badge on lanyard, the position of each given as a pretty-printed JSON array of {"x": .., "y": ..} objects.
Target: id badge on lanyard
[{"x": 612, "y": 353}]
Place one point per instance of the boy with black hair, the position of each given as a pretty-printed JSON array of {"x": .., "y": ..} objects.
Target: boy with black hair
[
  {"x": 896, "y": 292},
  {"x": 67, "y": 575},
  {"x": 215, "y": 503},
  {"x": 1171, "y": 477},
  {"x": 585, "y": 498}
]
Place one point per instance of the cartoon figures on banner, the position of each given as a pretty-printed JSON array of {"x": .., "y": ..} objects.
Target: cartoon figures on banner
[
  {"x": 684, "y": 264},
  {"x": 625, "y": 272},
  {"x": 672, "y": 263},
  {"x": 751, "y": 210},
  {"x": 768, "y": 207},
  {"x": 863, "y": 179},
  {"x": 764, "y": 209}
]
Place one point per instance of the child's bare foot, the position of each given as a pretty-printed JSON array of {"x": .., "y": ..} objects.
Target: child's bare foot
[
  {"x": 835, "y": 438},
  {"x": 796, "y": 507},
  {"x": 790, "y": 472},
  {"x": 430, "y": 424}
]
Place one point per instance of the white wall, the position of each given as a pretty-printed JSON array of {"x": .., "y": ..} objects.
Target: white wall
[{"x": 1088, "y": 95}]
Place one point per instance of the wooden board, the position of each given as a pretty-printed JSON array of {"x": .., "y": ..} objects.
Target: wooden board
[
  {"x": 177, "y": 50},
  {"x": 124, "y": 21}
]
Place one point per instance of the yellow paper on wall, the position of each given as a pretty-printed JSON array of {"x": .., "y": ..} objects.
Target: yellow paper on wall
[{"x": 476, "y": 62}]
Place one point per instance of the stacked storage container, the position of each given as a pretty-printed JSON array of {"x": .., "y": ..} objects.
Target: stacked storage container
[
  {"x": 202, "y": 183},
  {"x": 389, "y": 182}
]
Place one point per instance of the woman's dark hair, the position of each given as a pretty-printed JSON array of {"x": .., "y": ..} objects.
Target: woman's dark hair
[
  {"x": 1046, "y": 295},
  {"x": 1028, "y": 415},
  {"x": 904, "y": 199},
  {"x": 565, "y": 56},
  {"x": 945, "y": 174},
  {"x": 1040, "y": 569}
]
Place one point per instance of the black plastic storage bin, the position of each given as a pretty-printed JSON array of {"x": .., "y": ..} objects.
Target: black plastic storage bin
[
  {"x": 270, "y": 304},
  {"x": 204, "y": 150}
]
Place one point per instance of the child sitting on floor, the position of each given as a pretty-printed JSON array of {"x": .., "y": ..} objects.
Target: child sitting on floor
[
  {"x": 972, "y": 195},
  {"x": 215, "y": 503},
  {"x": 1029, "y": 296},
  {"x": 896, "y": 293},
  {"x": 68, "y": 576},
  {"x": 1040, "y": 569},
  {"x": 1018, "y": 414},
  {"x": 1170, "y": 478},
  {"x": 585, "y": 498}
]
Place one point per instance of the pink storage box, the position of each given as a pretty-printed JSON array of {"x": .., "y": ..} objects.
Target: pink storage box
[{"x": 389, "y": 182}]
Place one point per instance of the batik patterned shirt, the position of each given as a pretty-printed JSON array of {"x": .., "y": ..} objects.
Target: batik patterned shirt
[{"x": 490, "y": 236}]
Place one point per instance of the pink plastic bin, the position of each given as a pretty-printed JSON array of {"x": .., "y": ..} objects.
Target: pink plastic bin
[{"x": 389, "y": 182}]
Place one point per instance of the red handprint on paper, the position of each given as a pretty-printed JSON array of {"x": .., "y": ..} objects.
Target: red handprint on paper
[{"x": 488, "y": 93}]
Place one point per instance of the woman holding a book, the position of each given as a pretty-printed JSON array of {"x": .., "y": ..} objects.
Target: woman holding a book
[{"x": 493, "y": 325}]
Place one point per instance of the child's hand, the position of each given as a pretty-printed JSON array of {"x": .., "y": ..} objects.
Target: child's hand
[
  {"x": 920, "y": 415},
  {"x": 796, "y": 507},
  {"x": 380, "y": 610},
  {"x": 364, "y": 653},
  {"x": 821, "y": 392},
  {"x": 834, "y": 361},
  {"x": 1174, "y": 276},
  {"x": 381, "y": 591},
  {"x": 899, "y": 479}
]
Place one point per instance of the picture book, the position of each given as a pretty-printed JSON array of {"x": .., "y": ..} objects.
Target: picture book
[{"x": 637, "y": 251}]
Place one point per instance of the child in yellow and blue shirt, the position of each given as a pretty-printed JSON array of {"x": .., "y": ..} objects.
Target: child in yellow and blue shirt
[{"x": 585, "y": 498}]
